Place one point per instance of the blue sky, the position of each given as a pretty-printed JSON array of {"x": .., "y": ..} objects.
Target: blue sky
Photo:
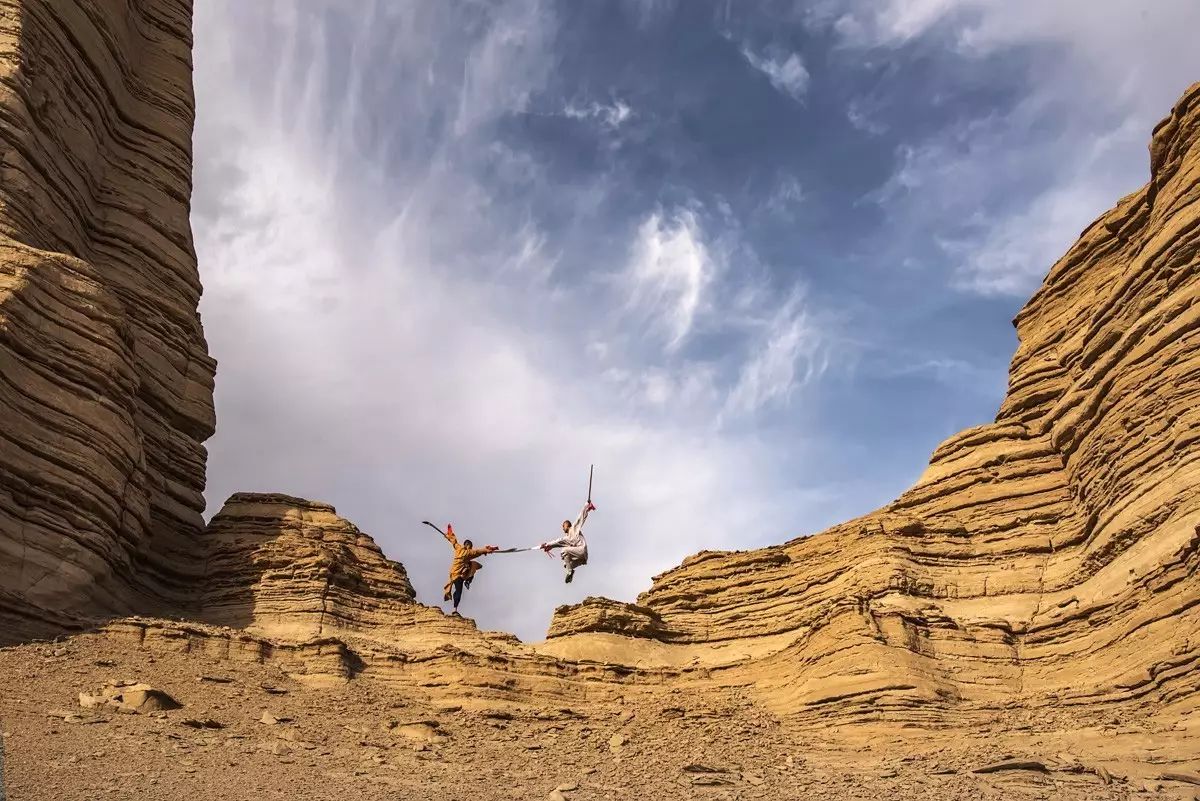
[{"x": 754, "y": 260}]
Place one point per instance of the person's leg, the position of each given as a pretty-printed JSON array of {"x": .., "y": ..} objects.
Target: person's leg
[
  {"x": 458, "y": 588},
  {"x": 572, "y": 558}
]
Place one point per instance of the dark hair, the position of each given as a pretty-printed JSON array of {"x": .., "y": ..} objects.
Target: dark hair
[
  {"x": 467, "y": 543},
  {"x": 566, "y": 522}
]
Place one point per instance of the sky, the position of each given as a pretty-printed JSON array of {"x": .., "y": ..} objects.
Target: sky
[{"x": 752, "y": 260}]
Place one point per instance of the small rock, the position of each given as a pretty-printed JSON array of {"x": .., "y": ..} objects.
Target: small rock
[
  {"x": 555, "y": 795},
  {"x": 1183, "y": 778},
  {"x": 279, "y": 748},
  {"x": 617, "y": 740},
  {"x": 206, "y": 723},
  {"x": 567, "y": 787},
  {"x": 426, "y": 730},
  {"x": 217, "y": 679},
  {"x": 699, "y": 767},
  {"x": 1013, "y": 764},
  {"x": 129, "y": 697}
]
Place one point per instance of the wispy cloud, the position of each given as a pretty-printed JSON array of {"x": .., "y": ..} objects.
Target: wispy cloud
[
  {"x": 1003, "y": 194},
  {"x": 788, "y": 192},
  {"x": 785, "y": 71},
  {"x": 789, "y": 352},
  {"x": 670, "y": 269},
  {"x": 611, "y": 115}
]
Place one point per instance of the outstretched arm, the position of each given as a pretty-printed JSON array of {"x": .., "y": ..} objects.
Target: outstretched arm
[
  {"x": 449, "y": 535},
  {"x": 484, "y": 551},
  {"x": 587, "y": 507}
]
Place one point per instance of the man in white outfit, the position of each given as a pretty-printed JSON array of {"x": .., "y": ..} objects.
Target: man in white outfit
[{"x": 574, "y": 546}]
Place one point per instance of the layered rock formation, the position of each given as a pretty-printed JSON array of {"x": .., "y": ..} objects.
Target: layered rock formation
[
  {"x": 105, "y": 380},
  {"x": 1049, "y": 556},
  {"x": 290, "y": 568},
  {"x": 1047, "y": 560}
]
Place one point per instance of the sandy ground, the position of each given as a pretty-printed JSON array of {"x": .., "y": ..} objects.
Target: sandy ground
[{"x": 366, "y": 740}]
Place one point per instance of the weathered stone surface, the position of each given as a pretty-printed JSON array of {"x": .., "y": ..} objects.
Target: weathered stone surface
[
  {"x": 290, "y": 568},
  {"x": 105, "y": 381},
  {"x": 612, "y": 617},
  {"x": 129, "y": 697}
]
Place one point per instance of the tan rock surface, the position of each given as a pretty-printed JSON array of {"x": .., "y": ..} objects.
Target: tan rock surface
[{"x": 105, "y": 380}]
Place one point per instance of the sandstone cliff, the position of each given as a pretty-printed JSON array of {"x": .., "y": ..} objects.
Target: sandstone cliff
[{"x": 105, "y": 380}]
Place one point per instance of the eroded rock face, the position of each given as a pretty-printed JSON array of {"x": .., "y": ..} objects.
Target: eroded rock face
[
  {"x": 610, "y": 617},
  {"x": 291, "y": 568},
  {"x": 105, "y": 380},
  {"x": 1049, "y": 556}
]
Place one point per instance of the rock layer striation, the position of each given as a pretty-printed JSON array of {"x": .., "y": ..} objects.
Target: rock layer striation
[{"x": 105, "y": 380}]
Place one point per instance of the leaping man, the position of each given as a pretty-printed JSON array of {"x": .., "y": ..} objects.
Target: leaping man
[
  {"x": 574, "y": 546},
  {"x": 463, "y": 567}
]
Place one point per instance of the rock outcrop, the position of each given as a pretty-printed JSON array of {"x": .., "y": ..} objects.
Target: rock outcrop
[
  {"x": 289, "y": 568},
  {"x": 105, "y": 380},
  {"x": 1048, "y": 557}
]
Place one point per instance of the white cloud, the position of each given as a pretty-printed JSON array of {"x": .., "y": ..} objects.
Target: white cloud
[
  {"x": 785, "y": 71},
  {"x": 1102, "y": 76},
  {"x": 861, "y": 117},
  {"x": 611, "y": 116},
  {"x": 788, "y": 192},
  {"x": 670, "y": 269},
  {"x": 790, "y": 352}
]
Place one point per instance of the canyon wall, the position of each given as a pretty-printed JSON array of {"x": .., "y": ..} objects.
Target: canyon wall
[{"x": 105, "y": 379}]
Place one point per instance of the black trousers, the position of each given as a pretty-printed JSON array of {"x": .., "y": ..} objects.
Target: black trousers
[{"x": 458, "y": 588}]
